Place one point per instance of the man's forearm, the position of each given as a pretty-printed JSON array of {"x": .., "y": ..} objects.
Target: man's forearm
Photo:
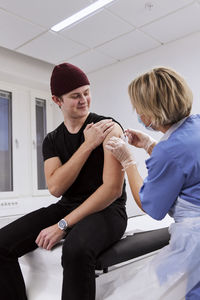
[
  {"x": 65, "y": 175},
  {"x": 99, "y": 200}
]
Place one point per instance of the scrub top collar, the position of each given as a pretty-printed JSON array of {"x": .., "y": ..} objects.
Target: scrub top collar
[{"x": 172, "y": 129}]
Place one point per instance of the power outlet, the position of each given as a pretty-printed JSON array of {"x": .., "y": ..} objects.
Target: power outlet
[{"x": 9, "y": 204}]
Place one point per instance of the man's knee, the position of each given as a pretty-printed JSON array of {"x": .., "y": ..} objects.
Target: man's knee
[{"x": 76, "y": 251}]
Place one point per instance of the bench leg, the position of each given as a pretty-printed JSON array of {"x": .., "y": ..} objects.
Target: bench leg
[{"x": 105, "y": 270}]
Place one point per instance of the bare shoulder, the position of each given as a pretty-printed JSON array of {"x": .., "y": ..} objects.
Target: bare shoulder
[{"x": 116, "y": 131}]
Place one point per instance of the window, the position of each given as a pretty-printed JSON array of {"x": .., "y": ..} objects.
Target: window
[
  {"x": 41, "y": 124},
  {"x": 26, "y": 115},
  {"x": 6, "y": 163},
  {"x": 41, "y": 131}
]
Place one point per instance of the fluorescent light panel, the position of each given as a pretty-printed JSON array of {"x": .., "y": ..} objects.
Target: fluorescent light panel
[{"x": 81, "y": 14}]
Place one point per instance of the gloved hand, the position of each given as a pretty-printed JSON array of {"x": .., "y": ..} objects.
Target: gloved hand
[
  {"x": 121, "y": 152},
  {"x": 139, "y": 139}
]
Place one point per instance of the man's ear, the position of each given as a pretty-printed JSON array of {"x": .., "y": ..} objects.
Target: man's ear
[{"x": 57, "y": 100}]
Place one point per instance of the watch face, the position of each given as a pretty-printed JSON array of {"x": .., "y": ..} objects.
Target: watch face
[{"x": 62, "y": 224}]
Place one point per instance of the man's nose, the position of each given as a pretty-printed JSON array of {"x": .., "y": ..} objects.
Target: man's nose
[{"x": 82, "y": 99}]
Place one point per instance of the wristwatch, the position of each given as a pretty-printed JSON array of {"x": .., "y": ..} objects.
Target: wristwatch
[{"x": 62, "y": 224}]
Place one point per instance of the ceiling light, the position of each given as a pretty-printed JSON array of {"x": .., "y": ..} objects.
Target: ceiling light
[{"x": 81, "y": 14}]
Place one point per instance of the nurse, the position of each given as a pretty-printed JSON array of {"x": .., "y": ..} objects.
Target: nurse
[{"x": 163, "y": 102}]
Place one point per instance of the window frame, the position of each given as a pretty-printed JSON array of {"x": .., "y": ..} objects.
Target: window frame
[
  {"x": 10, "y": 133},
  {"x": 49, "y": 126},
  {"x": 10, "y": 89}
]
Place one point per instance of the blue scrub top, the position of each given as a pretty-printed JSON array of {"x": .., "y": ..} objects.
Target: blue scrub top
[{"x": 173, "y": 169}]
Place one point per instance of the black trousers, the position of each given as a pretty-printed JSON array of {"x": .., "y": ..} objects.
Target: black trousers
[{"x": 85, "y": 241}]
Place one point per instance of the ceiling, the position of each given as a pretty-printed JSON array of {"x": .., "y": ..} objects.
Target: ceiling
[{"x": 123, "y": 29}]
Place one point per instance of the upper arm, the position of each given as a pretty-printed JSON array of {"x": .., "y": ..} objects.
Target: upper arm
[
  {"x": 51, "y": 159},
  {"x": 112, "y": 171},
  {"x": 50, "y": 165}
]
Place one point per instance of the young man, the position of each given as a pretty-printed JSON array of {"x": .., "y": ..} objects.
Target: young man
[{"x": 91, "y": 214}]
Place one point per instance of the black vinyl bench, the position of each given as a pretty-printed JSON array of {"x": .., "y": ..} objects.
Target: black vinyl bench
[
  {"x": 35, "y": 265},
  {"x": 132, "y": 246}
]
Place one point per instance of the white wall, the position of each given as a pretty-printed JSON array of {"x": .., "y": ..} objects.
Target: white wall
[
  {"x": 109, "y": 86},
  {"x": 23, "y": 70}
]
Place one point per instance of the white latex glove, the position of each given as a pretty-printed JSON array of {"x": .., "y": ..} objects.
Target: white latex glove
[
  {"x": 121, "y": 152},
  {"x": 139, "y": 139}
]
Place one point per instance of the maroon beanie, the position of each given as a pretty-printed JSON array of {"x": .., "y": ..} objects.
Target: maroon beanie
[{"x": 66, "y": 78}]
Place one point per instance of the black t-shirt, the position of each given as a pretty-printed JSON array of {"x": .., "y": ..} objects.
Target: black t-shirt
[{"x": 61, "y": 143}]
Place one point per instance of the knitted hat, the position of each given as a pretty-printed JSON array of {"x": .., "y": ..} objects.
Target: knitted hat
[{"x": 66, "y": 78}]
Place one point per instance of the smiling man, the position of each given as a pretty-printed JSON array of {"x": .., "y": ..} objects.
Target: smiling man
[{"x": 90, "y": 216}]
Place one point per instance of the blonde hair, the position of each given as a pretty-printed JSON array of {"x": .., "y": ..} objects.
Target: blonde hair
[{"x": 161, "y": 94}]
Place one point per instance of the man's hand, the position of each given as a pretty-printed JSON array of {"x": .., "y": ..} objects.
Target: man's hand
[
  {"x": 96, "y": 133},
  {"x": 49, "y": 237}
]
